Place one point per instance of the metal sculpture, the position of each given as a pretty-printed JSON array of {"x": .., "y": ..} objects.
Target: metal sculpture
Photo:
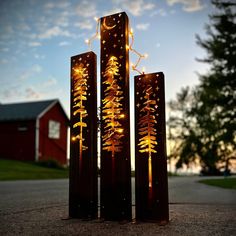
[
  {"x": 150, "y": 149},
  {"x": 83, "y": 145},
  {"x": 115, "y": 127}
]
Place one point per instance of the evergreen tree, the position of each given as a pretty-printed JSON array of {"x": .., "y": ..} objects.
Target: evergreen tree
[
  {"x": 80, "y": 75},
  {"x": 147, "y": 142},
  {"x": 112, "y": 108}
]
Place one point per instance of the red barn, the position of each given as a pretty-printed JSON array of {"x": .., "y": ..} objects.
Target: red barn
[{"x": 33, "y": 131}]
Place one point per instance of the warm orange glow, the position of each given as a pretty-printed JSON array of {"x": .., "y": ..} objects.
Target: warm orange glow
[
  {"x": 112, "y": 108},
  {"x": 131, "y": 31},
  {"x": 147, "y": 142},
  {"x": 140, "y": 56},
  {"x": 150, "y": 172},
  {"x": 105, "y": 26},
  {"x": 79, "y": 76},
  {"x": 143, "y": 70},
  {"x": 96, "y": 35}
]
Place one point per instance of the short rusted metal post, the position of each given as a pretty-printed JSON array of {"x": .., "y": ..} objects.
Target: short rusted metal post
[{"x": 150, "y": 149}]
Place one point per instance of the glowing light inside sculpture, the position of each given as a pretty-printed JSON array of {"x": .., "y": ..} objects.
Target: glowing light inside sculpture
[
  {"x": 140, "y": 56},
  {"x": 147, "y": 121},
  {"x": 134, "y": 66},
  {"x": 79, "y": 92},
  {"x": 112, "y": 108}
]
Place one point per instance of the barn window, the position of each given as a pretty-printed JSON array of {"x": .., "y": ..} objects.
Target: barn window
[{"x": 53, "y": 129}]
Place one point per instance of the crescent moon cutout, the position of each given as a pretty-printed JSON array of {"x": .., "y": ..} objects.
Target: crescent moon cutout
[{"x": 106, "y": 26}]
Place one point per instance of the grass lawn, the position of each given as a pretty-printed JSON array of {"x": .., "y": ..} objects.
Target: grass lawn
[
  {"x": 16, "y": 170},
  {"x": 223, "y": 183}
]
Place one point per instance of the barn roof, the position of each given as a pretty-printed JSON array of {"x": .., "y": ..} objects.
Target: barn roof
[{"x": 25, "y": 111}]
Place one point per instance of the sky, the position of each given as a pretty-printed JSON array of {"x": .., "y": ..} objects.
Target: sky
[{"x": 38, "y": 37}]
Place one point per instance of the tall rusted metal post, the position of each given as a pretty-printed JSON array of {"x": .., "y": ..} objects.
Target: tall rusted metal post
[
  {"x": 115, "y": 126},
  {"x": 150, "y": 149},
  {"x": 83, "y": 186}
]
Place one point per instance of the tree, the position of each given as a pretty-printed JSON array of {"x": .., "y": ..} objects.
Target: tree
[
  {"x": 211, "y": 129},
  {"x": 112, "y": 108},
  {"x": 217, "y": 90},
  {"x": 80, "y": 75},
  {"x": 148, "y": 142}
]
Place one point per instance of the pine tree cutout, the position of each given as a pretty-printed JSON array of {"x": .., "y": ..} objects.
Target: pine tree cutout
[
  {"x": 147, "y": 121},
  {"x": 80, "y": 75},
  {"x": 112, "y": 108}
]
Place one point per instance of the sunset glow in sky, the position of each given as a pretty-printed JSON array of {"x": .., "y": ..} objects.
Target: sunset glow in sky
[{"x": 37, "y": 39}]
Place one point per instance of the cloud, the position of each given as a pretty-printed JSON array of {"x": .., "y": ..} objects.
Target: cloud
[
  {"x": 23, "y": 27},
  {"x": 160, "y": 12},
  {"x": 4, "y": 49},
  {"x": 62, "y": 21},
  {"x": 135, "y": 7},
  {"x": 86, "y": 9},
  {"x": 54, "y": 32},
  {"x": 143, "y": 26},
  {"x": 49, "y": 5},
  {"x": 35, "y": 69},
  {"x": 87, "y": 24},
  {"x": 3, "y": 61},
  {"x": 31, "y": 93},
  {"x": 35, "y": 44},
  {"x": 38, "y": 56},
  {"x": 64, "y": 4},
  {"x": 10, "y": 94},
  {"x": 61, "y": 5},
  {"x": 50, "y": 82},
  {"x": 64, "y": 43},
  {"x": 112, "y": 11},
  {"x": 188, "y": 5}
]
